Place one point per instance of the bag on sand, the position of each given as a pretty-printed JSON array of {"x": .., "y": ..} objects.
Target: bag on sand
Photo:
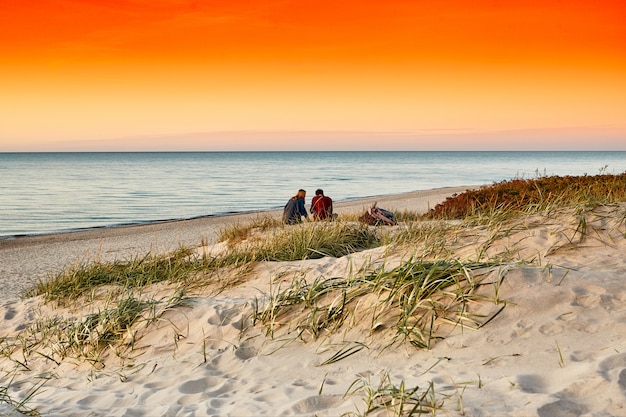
[{"x": 376, "y": 216}]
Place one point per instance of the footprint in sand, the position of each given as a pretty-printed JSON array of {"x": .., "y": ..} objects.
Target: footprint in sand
[
  {"x": 300, "y": 383},
  {"x": 592, "y": 394},
  {"x": 10, "y": 313},
  {"x": 521, "y": 328},
  {"x": 562, "y": 408},
  {"x": 316, "y": 403},
  {"x": 194, "y": 387},
  {"x": 532, "y": 384},
  {"x": 221, "y": 316},
  {"x": 207, "y": 384},
  {"x": 587, "y": 300},
  {"x": 614, "y": 368},
  {"x": 89, "y": 400},
  {"x": 245, "y": 353},
  {"x": 157, "y": 386},
  {"x": 551, "y": 329},
  {"x": 583, "y": 356},
  {"x": 588, "y": 295}
]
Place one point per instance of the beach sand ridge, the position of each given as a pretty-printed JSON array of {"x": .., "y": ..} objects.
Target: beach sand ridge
[{"x": 556, "y": 348}]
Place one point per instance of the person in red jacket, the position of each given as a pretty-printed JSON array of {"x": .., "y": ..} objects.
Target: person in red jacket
[{"x": 321, "y": 206}]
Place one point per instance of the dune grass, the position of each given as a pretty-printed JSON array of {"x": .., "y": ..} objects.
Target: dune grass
[
  {"x": 409, "y": 302},
  {"x": 533, "y": 195},
  {"x": 393, "y": 400},
  {"x": 137, "y": 272},
  {"x": 186, "y": 267},
  {"x": 20, "y": 407},
  {"x": 239, "y": 232},
  {"x": 307, "y": 241},
  {"x": 112, "y": 324}
]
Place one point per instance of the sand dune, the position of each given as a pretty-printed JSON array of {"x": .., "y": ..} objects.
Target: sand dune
[{"x": 555, "y": 345}]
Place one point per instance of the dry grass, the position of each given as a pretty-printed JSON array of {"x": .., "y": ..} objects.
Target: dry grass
[
  {"x": 405, "y": 304},
  {"x": 533, "y": 195}
]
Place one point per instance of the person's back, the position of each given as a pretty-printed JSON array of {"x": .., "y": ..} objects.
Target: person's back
[
  {"x": 294, "y": 209},
  {"x": 321, "y": 206}
]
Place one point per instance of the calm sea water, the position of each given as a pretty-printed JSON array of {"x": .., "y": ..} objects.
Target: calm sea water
[{"x": 52, "y": 192}]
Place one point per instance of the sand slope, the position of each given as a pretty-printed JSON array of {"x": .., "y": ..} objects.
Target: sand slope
[{"x": 557, "y": 349}]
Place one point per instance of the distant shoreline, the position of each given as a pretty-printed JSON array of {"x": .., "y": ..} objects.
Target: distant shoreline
[
  {"x": 49, "y": 193},
  {"x": 114, "y": 229},
  {"x": 27, "y": 259}
]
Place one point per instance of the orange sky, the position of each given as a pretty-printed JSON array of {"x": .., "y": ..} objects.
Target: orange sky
[{"x": 286, "y": 74}]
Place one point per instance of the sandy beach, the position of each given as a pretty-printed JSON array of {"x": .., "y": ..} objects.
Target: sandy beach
[
  {"x": 28, "y": 259},
  {"x": 550, "y": 339}
]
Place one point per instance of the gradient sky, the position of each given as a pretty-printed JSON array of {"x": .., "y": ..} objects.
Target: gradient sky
[{"x": 291, "y": 75}]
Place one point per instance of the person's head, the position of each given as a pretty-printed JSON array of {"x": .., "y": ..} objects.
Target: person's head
[
  {"x": 301, "y": 193},
  {"x": 319, "y": 191}
]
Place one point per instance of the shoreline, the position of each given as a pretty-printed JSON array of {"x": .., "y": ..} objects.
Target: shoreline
[
  {"x": 13, "y": 240},
  {"x": 27, "y": 259}
]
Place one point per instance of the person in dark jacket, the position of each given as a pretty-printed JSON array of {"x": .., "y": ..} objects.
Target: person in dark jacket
[{"x": 294, "y": 209}]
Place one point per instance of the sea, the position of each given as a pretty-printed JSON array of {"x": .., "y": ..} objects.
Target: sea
[{"x": 43, "y": 193}]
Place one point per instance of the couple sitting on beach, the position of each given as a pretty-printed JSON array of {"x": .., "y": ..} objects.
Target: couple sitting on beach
[{"x": 321, "y": 207}]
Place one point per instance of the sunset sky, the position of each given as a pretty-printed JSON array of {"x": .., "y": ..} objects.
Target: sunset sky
[{"x": 312, "y": 75}]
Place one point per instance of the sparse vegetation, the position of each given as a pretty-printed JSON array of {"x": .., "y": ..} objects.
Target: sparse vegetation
[
  {"x": 238, "y": 232},
  {"x": 21, "y": 406},
  {"x": 138, "y": 272},
  {"x": 409, "y": 302},
  {"x": 306, "y": 241},
  {"x": 394, "y": 400},
  {"x": 533, "y": 195},
  {"x": 187, "y": 268}
]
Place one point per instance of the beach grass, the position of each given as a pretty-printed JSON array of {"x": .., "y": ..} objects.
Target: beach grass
[
  {"x": 87, "y": 333},
  {"x": 408, "y": 302},
  {"x": 308, "y": 241},
  {"x": 239, "y": 232},
  {"x": 21, "y": 407},
  {"x": 533, "y": 195},
  {"x": 387, "y": 398},
  {"x": 305, "y": 241}
]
